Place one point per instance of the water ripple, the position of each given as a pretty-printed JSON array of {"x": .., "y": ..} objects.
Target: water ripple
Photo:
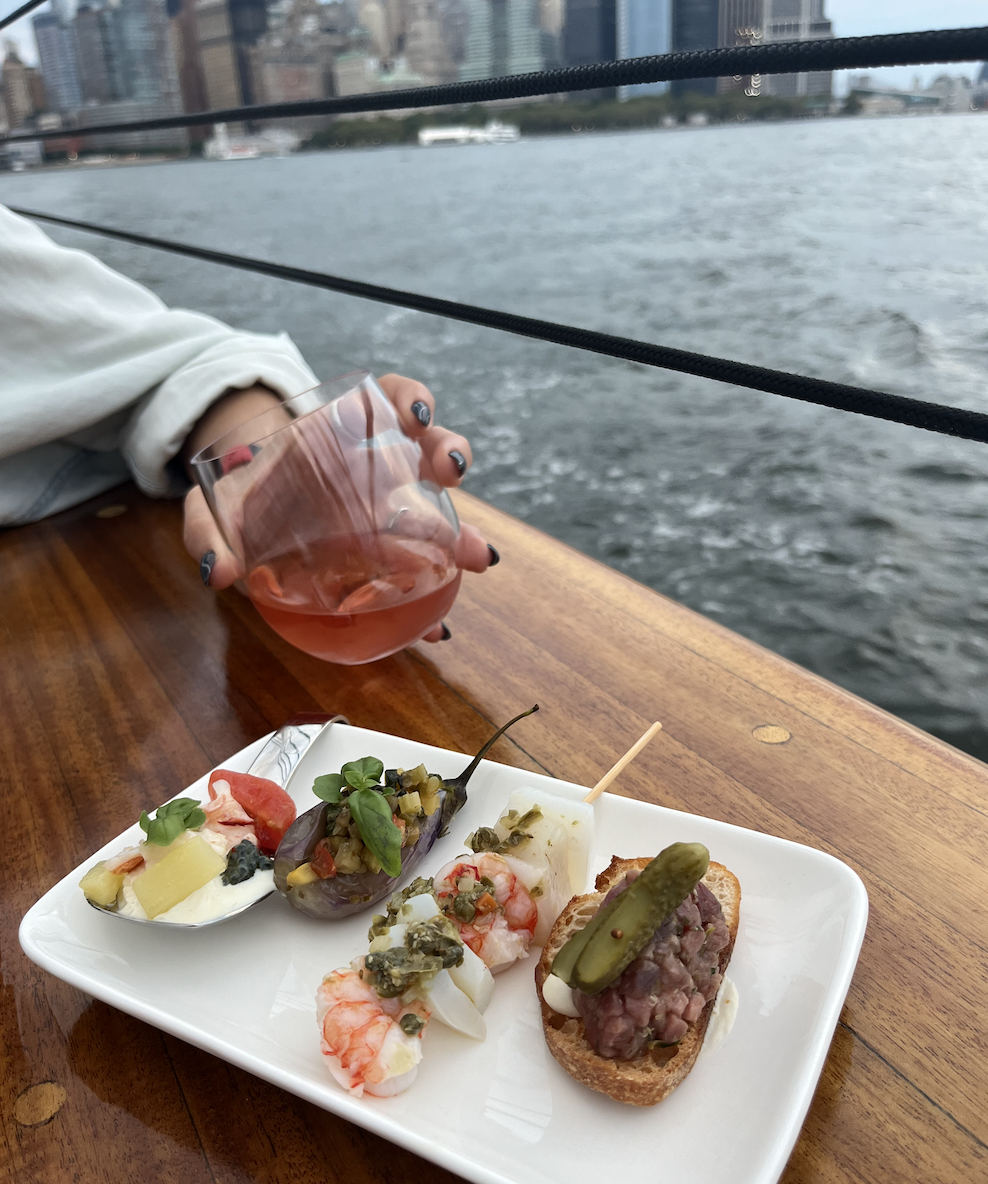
[{"x": 852, "y": 250}]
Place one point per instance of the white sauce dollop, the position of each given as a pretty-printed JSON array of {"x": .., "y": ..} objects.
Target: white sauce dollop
[
  {"x": 722, "y": 1017},
  {"x": 559, "y": 996},
  {"x": 207, "y": 903}
]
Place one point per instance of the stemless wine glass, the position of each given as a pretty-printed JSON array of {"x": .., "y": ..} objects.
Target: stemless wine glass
[{"x": 344, "y": 540}]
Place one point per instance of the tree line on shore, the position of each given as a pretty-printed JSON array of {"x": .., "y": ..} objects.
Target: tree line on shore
[{"x": 571, "y": 117}]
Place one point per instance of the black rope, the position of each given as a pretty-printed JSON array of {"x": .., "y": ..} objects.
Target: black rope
[
  {"x": 19, "y": 12},
  {"x": 950, "y": 421},
  {"x": 783, "y": 57}
]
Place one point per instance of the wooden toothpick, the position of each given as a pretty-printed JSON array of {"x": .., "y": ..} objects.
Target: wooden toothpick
[{"x": 626, "y": 760}]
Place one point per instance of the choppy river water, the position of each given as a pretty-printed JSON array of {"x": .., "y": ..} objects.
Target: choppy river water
[{"x": 855, "y": 250}]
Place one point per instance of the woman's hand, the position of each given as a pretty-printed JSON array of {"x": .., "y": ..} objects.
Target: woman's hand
[{"x": 446, "y": 455}]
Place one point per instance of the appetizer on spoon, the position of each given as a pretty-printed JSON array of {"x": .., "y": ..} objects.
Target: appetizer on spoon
[{"x": 202, "y": 862}]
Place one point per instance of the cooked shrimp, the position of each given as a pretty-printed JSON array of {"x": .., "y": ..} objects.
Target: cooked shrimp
[
  {"x": 365, "y": 1047},
  {"x": 130, "y": 859},
  {"x": 498, "y": 926},
  {"x": 226, "y": 820}
]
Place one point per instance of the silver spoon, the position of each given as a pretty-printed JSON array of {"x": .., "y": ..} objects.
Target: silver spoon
[{"x": 276, "y": 761}]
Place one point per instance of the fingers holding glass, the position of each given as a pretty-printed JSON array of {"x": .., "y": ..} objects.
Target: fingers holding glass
[
  {"x": 446, "y": 455},
  {"x": 412, "y": 401},
  {"x": 471, "y": 552},
  {"x": 218, "y": 567}
]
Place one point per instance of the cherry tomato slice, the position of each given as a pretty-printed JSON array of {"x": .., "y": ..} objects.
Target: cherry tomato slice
[{"x": 271, "y": 809}]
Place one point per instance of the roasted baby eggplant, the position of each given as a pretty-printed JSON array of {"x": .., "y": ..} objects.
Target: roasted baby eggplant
[{"x": 369, "y": 833}]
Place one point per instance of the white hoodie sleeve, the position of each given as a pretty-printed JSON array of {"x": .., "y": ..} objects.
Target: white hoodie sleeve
[{"x": 95, "y": 363}]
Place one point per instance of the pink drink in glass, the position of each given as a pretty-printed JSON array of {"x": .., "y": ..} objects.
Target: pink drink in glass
[{"x": 346, "y": 544}]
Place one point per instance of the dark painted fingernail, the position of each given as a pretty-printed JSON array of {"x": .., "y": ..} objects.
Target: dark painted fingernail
[
  {"x": 206, "y": 565},
  {"x": 459, "y": 460},
  {"x": 422, "y": 413},
  {"x": 446, "y": 633},
  {"x": 495, "y": 557}
]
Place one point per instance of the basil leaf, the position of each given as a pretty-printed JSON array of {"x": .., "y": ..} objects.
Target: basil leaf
[
  {"x": 171, "y": 819},
  {"x": 328, "y": 787},
  {"x": 363, "y": 774},
  {"x": 374, "y": 820}
]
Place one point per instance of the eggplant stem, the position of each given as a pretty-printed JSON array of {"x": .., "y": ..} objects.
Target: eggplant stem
[
  {"x": 468, "y": 772},
  {"x": 456, "y": 789}
]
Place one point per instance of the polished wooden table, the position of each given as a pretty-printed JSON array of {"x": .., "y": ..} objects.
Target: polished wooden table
[{"x": 122, "y": 679}]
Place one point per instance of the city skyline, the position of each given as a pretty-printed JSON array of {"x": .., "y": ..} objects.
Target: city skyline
[{"x": 423, "y": 51}]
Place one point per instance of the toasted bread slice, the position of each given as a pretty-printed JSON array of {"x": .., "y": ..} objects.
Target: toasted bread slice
[{"x": 656, "y": 1073}]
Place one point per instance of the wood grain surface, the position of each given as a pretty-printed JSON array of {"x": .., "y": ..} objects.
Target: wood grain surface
[{"x": 122, "y": 680}]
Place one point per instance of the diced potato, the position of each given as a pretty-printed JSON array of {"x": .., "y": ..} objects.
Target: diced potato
[
  {"x": 410, "y": 804},
  {"x": 303, "y": 874},
  {"x": 101, "y": 886},
  {"x": 177, "y": 875},
  {"x": 348, "y": 858},
  {"x": 418, "y": 776}
]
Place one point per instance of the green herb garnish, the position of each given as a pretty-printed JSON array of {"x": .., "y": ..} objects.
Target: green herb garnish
[
  {"x": 171, "y": 819},
  {"x": 328, "y": 787},
  {"x": 375, "y": 821},
  {"x": 363, "y": 774}
]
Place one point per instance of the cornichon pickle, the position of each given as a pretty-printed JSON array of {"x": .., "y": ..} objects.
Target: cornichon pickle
[{"x": 594, "y": 957}]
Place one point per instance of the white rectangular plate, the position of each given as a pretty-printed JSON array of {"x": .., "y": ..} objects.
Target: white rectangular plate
[{"x": 502, "y": 1112}]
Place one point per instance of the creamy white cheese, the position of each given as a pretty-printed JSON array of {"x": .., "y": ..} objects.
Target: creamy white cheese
[{"x": 207, "y": 903}]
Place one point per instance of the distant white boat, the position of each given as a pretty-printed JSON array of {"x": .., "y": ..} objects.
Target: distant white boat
[
  {"x": 273, "y": 142},
  {"x": 494, "y": 132}
]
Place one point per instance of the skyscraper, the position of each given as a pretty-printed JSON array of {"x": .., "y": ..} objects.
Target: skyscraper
[
  {"x": 695, "y": 25},
  {"x": 298, "y": 52},
  {"x": 56, "y": 52},
  {"x": 228, "y": 34},
  {"x": 590, "y": 35},
  {"x": 15, "y": 87},
  {"x": 185, "y": 40},
  {"x": 644, "y": 28},
  {"x": 503, "y": 38},
  {"x": 372, "y": 16},
  {"x": 798, "y": 20},
  {"x": 90, "y": 27},
  {"x": 590, "y": 32},
  {"x": 425, "y": 45},
  {"x": 741, "y": 23},
  {"x": 552, "y": 15}
]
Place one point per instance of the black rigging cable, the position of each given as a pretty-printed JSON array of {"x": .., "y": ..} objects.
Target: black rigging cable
[
  {"x": 783, "y": 57},
  {"x": 950, "y": 421},
  {"x": 19, "y": 12}
]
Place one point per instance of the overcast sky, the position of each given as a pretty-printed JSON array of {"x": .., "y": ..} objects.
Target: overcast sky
[
  {"x": 852, "y": 18},
  {"x": 860, "y": 18}
]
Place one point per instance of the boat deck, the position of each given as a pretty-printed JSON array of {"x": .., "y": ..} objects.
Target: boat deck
[{"x": 123, "y": 680}]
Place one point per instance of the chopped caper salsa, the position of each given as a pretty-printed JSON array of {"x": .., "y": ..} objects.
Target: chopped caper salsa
[
  {"x": 429, "y": 946},
  {"x": 466, "y": 903},
  {"x": 509, "y": 832},
  {"x": 382, "y": 922}
]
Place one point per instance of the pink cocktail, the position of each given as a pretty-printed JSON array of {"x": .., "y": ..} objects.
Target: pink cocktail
[{"x": 345, "y": 542}]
